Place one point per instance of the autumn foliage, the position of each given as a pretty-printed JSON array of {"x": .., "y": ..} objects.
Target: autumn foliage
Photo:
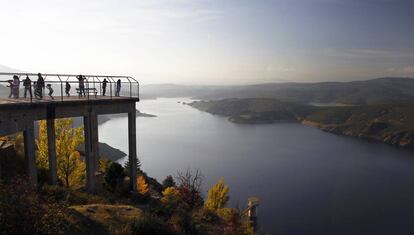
[
  {"x": 218, "y": 196},
  {"x": 142, "y": 185},
  {"x": 70, "y": 167}
]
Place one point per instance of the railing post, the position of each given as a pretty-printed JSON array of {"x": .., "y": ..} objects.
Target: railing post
[
  {"x": 87, "y": 82},
  {"x": 61, "y": 88}
]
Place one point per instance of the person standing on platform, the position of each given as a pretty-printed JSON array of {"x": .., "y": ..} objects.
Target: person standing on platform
[
  {"x": 118, "y": 87},
  {"x": 49, "y": 87},
  {"x": 27, "y": 83},
  {"x": 81, "y": 85},
  {"x": 104, "y": 83},
  {"x": 67, "y": 89},
  {"x": 37, "y": 91},
  {"x": 16, "y": 86},
  {"x": 40, "y": 84}
]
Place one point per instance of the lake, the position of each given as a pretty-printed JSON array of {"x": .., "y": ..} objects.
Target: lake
[{"x": 308, "y": 181}]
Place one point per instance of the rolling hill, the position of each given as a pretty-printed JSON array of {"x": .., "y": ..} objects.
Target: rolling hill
[
  {"x": 389, "y": 123},
  {"x": 374, "y": 91}
]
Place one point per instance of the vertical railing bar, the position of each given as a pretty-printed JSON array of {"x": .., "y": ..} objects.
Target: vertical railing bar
[
  {"x": 31, "y": 93},
  {"x": 110, "y": 86},
  {"x": 136, "y": 81},
  {"x": 61, "y": 88},
  {"x": 130, "y": 87},
  {"x": 113, "y": 80},
  {"x": 44, "y": 88},
  {"x": 100, "y": 85},
  {"x": 87, "y": 82}
]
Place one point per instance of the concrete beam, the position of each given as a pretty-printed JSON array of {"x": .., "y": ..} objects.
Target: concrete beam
[
  {"x": 29, "y": 152},
  {"x": 132, "y": 141},
  {"x": 51, "y": 147},
  {"x": 61, "y": 110}
]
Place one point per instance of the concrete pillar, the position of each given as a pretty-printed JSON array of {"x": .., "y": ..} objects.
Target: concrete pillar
[
  {"x": 90, "y": 122},
  {"x": 51, "y": 148},
  {"x": 29, "y": 151},
  {"x": 132, "y": 139},
  {"x": 95, "y": 141}
]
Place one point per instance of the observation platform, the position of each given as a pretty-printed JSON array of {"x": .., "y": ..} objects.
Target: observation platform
[{"x": 18, "y": 114}]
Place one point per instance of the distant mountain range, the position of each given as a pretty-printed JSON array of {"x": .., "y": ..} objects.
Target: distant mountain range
[{"x": 374, "y": 91}]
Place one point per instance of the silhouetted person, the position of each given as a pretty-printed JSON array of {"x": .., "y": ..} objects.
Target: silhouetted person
[
  {"x": 49, "y": 87},
  {"x": 11, "y": 87},
  {"x": 37, "y": 91},
  {"x": 27, "y": 83},
  {"x": 118, "y": 87},
  {"x": 16, "y": 86},
  {"x": 67, "y": 89},
  {"x": 104, "y": 86},
  {"x": 40, "y": 83},
  {"x": 81, "y": 85}
]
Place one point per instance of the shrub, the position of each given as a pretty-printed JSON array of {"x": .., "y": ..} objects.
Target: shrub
[
  {"x": 142, "y": 185},
  {"x": 150, "y": 225},
  {"x": 234, "y": 224},
  {"x": 127, "y": 165},
  {"x": 22, "y": 211},
  {"x": 60, "y": 194},
  {"x": 208, "y": 221},
  {"x": 114, "y": 176},
  {"x": 168, "y": 182},
  {"x": 189, "y": 186}
]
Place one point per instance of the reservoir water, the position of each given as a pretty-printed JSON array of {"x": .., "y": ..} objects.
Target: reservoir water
[{"x": 308, "y": 181}]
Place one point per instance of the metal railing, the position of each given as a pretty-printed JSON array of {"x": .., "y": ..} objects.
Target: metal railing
[{"x": 128, "y": 86}]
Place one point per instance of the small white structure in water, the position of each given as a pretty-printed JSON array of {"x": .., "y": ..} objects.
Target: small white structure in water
[{"x": 253, "y": 203}]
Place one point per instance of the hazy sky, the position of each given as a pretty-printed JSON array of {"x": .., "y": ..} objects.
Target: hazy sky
[{"x": 211, "y": 42}]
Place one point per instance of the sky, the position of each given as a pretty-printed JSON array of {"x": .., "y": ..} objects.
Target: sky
[{"x": 211, "y": 41}]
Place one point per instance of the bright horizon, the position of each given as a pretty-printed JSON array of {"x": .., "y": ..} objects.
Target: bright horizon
[{"x": 211, "y": 42}]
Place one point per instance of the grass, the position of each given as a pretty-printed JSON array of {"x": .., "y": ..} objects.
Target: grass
[{"x": 102, "y": 219}]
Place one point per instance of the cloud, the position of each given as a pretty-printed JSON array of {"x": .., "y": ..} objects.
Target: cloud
[
  {"x": 367, "y": 53},
  {"x": 402, "y": 71},
  {"x": 280, "y": 69}
]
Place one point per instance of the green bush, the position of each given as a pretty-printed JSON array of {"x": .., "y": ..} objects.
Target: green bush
[
  {"x": 114, "y": 176},
  {"x": 168, "y": 182}
]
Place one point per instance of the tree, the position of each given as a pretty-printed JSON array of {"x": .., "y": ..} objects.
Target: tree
[
  {"x": 171, "y": 196},
  {"x": 189, "y": 185},
  {"x": 168, "y": 182},
  {"x": 127, "y": 166},
  {"x": 104, "y": 165},
  {"x": 42, "y": 161},
  {"x": 114, "y": 176},
  {"x": 142, "y": 185},
  {"x": 218, "y": 196},
  {"x": 70, "y": 167}
]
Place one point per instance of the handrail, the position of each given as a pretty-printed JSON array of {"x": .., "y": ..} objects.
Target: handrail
[
  {"x": 56, "y": 74},
  {"x": 93, "y": 82}
]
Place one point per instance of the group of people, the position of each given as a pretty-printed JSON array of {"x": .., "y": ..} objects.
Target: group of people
[{"x": 39, "y": 87}]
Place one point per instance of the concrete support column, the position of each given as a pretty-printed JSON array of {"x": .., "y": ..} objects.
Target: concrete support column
[
  {"x": 95, "y": 141},
  {"x": 29, "y": 151},
  {"x": 132, "y": 139},
  {"x": 90, "y": 122},
  {"x": 51, "y": 148}
]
